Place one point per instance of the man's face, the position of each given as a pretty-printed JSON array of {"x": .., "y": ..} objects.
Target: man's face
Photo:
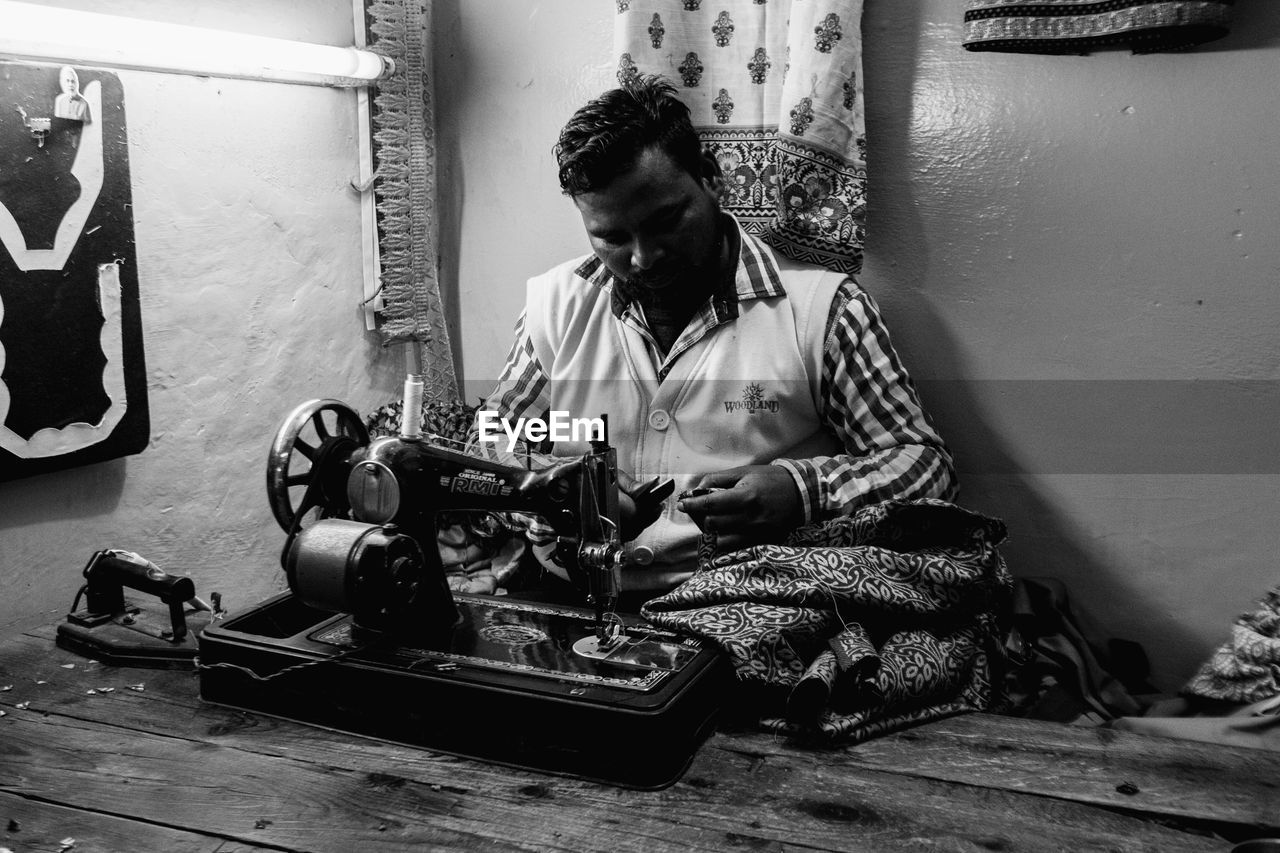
[{"x": 656, "y": 226}]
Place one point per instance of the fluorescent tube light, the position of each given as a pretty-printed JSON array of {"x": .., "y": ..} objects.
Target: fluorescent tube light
[{"x": 31, "y": 32}]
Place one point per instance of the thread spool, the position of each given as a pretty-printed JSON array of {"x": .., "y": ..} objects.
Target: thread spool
[{"x": 411, "y": 422}]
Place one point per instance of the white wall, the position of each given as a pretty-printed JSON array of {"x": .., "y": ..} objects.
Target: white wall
[
  {"x": 248, "y": 254},
  {"x": 509, "y": 73},
  {"x": 1061, "y": 245},
  {"x": 1103, "y": 229}
]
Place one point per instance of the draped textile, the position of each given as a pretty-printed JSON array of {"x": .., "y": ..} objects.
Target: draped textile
[
  {"x": 775, "y": 90},
  {"x": 405, "y": 189},
  {"x": 1234, "y": 698},
  {"x": 1246, "y": 668},
  {"x": 1080, "y": 26},
  {"x": 858, "y": 626}
]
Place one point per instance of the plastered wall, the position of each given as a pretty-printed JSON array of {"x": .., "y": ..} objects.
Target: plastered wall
[
  {"x": 247, "y": 236},
  {"x": 1078, "y": 257},
  {"x": 1079, "y": 254}
]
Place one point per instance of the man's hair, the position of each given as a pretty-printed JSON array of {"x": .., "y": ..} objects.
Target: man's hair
[{"x": 606, "y": 137}]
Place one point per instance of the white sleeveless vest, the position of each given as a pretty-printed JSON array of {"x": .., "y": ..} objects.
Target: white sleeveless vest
[{"x": 745, "y": 394}]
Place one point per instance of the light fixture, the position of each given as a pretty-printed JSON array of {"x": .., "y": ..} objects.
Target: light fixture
[{"x": 31, "y": 32}]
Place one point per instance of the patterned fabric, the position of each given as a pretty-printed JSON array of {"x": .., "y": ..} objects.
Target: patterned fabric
[
  {"x": 405, "y": 189},
  {"x": 867, "y": 397},
  {"x": 858, "y": 626},
  {"x": 775, "y": 89},
  {"x": 1246, "y": 668},
  {"x": 448, "y": 419},
  {"x": 1078, "y": 26}
]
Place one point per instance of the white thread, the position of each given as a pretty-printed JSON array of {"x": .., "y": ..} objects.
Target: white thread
[{"x": 411, "y": 421}]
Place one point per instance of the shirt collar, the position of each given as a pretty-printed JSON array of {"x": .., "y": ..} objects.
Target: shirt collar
[{"x": 755, "y": 276}]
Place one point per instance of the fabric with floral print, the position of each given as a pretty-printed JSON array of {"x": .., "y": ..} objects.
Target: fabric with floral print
[
  {"x": 447, "y": 419},
  {"x": 775, "y": 89},
  {"x": 1246, "y": 668},
  {"x": 859, "y": 625}
]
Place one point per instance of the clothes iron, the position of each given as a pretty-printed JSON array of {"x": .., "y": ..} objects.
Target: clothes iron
[{"x": 125, "y": 632}]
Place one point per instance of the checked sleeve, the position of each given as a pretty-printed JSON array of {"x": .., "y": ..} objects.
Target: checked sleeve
[
  {"x": 521, "y": 392},
  {"x": 891, "y": 451}
]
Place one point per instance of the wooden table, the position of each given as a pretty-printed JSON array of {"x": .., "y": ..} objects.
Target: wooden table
[{"x": 97, "y": 758}]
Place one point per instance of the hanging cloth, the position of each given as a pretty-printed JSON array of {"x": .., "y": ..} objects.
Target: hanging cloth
[
  {"x": 775, "y": 91},
  {"x": 1079, "y": 26},
  {"x": 404, "y": 139}
]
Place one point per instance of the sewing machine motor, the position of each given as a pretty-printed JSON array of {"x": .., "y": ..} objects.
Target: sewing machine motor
[{"x": 370, "y": 640}]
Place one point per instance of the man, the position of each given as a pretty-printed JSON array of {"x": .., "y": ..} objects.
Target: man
[{"x": 719, "y": 363}]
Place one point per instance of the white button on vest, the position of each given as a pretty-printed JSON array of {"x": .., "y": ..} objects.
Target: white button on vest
[{"x": 659, "y": 419}]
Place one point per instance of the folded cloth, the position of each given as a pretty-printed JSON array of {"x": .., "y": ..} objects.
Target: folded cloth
[
  {"x": 1256, "y": 725},
  {"x": 860, "y": 625},
  {"x": 1234, "y": 698},
  {"x": 1246, "y": 668},
  {"x": 1079, "y": 26}
]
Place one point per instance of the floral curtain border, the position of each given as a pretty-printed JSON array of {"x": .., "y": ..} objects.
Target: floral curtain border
[{"x": 775, "y": 89}]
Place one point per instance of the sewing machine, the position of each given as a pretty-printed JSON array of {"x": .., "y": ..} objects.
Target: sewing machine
[{"x": 370, "y": 639}]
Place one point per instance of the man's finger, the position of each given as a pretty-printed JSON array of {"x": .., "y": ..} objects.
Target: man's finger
[
  {"x": 722, "y": 479},
  {"x": 703, "y": 500},
  {"x": 692, "y": 501}
]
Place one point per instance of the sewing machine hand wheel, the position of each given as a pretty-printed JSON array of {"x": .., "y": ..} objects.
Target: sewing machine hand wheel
[{"x": 311, "y": 439}]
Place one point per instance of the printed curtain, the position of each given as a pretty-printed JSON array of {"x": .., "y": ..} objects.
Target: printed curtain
[{"x": 775, "y": 89}]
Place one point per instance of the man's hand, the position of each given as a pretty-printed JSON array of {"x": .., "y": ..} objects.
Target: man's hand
[
  {"x": 637, "y": 509},
  {"x": 756, "y": 504}
]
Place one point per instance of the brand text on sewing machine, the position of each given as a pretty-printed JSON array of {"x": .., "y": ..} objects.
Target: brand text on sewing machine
[{"x": 558, "y": 426}]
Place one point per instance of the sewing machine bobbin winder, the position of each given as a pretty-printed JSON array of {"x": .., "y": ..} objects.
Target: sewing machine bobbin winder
[{"x": 370, "y": 640}]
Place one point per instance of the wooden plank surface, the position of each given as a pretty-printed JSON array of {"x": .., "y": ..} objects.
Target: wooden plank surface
[
  {"x": 27, "y": 824},
  {"x": 1161, "y": 776},
  {"x": 157, "y": 756},
  {"x": 347, "y": 804},
  {"x": 285, "y": 804},
  {"x": 1173, "y": 778}
]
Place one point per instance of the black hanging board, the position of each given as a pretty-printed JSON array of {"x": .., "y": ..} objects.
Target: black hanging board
[{"x": 70, "y": 326}]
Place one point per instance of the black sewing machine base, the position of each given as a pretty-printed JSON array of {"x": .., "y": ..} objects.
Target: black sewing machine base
[{"x": 506, "y": 685}]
